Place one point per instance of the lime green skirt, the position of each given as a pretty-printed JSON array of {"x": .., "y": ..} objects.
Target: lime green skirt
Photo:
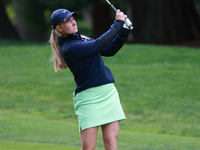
[{"x": 98, "y": 106}]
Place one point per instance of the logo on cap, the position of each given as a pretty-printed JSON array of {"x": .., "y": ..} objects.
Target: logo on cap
[
  {"x": 64, "y": 11},
  {"x": 64, "y": 19}
]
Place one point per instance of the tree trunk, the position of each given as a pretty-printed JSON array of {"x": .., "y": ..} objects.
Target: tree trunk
[
  {"x": 31, "y": 27},
  {"x": 7, "y": 30},
  {"x": 165, "y": 21},
  {"x": 102, "y": 19}
]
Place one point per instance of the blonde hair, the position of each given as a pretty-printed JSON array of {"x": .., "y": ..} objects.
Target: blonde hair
[{"x": 59, "y": 62}]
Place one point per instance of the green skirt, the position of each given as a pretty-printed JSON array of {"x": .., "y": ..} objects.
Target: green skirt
[{"x": 98, "y": 106}]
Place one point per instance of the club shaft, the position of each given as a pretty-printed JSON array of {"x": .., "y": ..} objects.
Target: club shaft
[{"x": 113, "y": 7}]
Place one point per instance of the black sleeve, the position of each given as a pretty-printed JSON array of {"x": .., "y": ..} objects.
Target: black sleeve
[
  {"x": 105, "y": 39},
  {"x": 116, "y": 44}
]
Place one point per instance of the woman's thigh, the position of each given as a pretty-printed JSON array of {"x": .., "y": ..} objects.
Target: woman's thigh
[
  {"x": 111, "y": 132},
  {"x": 89, "y": 138}
]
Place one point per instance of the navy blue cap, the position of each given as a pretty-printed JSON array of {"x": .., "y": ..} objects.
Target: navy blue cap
[{"x": 61, "y": 15}]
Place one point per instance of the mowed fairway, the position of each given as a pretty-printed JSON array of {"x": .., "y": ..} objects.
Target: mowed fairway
[{"x": 159, "y": 88}]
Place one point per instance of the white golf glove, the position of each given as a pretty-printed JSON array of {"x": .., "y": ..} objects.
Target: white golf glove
[
  {"x": 128, "y": 24},
  {"x": 125, "y": 26}
]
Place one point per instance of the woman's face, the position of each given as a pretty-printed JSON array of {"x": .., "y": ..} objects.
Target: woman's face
[{"x": 68, "y": 27}]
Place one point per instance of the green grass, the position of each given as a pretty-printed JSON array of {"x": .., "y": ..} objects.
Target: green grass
[{"x": 158, "y": 86}]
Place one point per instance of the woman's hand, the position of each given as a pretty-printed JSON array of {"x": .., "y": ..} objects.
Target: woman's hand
[{"x": 120, "y": 15}]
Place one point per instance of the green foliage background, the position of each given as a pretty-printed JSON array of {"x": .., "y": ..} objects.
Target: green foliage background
[{"x": 36, "y": 13}]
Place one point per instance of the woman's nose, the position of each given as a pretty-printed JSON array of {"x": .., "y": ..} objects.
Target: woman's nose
[{"x": 74, "y": 22}]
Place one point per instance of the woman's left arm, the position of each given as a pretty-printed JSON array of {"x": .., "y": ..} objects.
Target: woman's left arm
[{"x": 116, "y": 44}]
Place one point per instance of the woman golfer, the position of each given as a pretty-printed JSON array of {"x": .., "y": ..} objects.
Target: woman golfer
[{"x": 96, "y": 100}]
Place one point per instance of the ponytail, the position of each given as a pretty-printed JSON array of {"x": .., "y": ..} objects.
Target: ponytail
[{"x": 59, "y": 63}]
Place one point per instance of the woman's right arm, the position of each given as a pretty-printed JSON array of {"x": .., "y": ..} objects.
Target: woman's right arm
[
  {"x": 88, "y": 48},
  {"x": 105, "y": 39}
]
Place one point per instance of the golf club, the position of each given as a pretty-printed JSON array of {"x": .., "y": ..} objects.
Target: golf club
[{"x": 127, "y": 22}]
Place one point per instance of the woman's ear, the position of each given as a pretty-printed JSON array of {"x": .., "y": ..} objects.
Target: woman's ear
[{"x": 59, "y": 28}]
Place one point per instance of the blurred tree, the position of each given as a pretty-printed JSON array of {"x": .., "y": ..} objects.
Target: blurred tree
[
  {"x": 197, "y": 4},
  {"x": 7, "y": 30},
  {"x": 31, "y": 16},
  {"x": 103, "y": 15},
  {"x": 31, "y": 22},
  {"x": 155, "y": 21},
  {"x": 101, "y": 18},
  {"x": 29, "y": 19},
  {"x": 165, "y": 21}
]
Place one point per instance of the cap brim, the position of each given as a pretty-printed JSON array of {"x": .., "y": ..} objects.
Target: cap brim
[
  {"x": 69, "y": 15},
  {"x": 75, "y": 14}
]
